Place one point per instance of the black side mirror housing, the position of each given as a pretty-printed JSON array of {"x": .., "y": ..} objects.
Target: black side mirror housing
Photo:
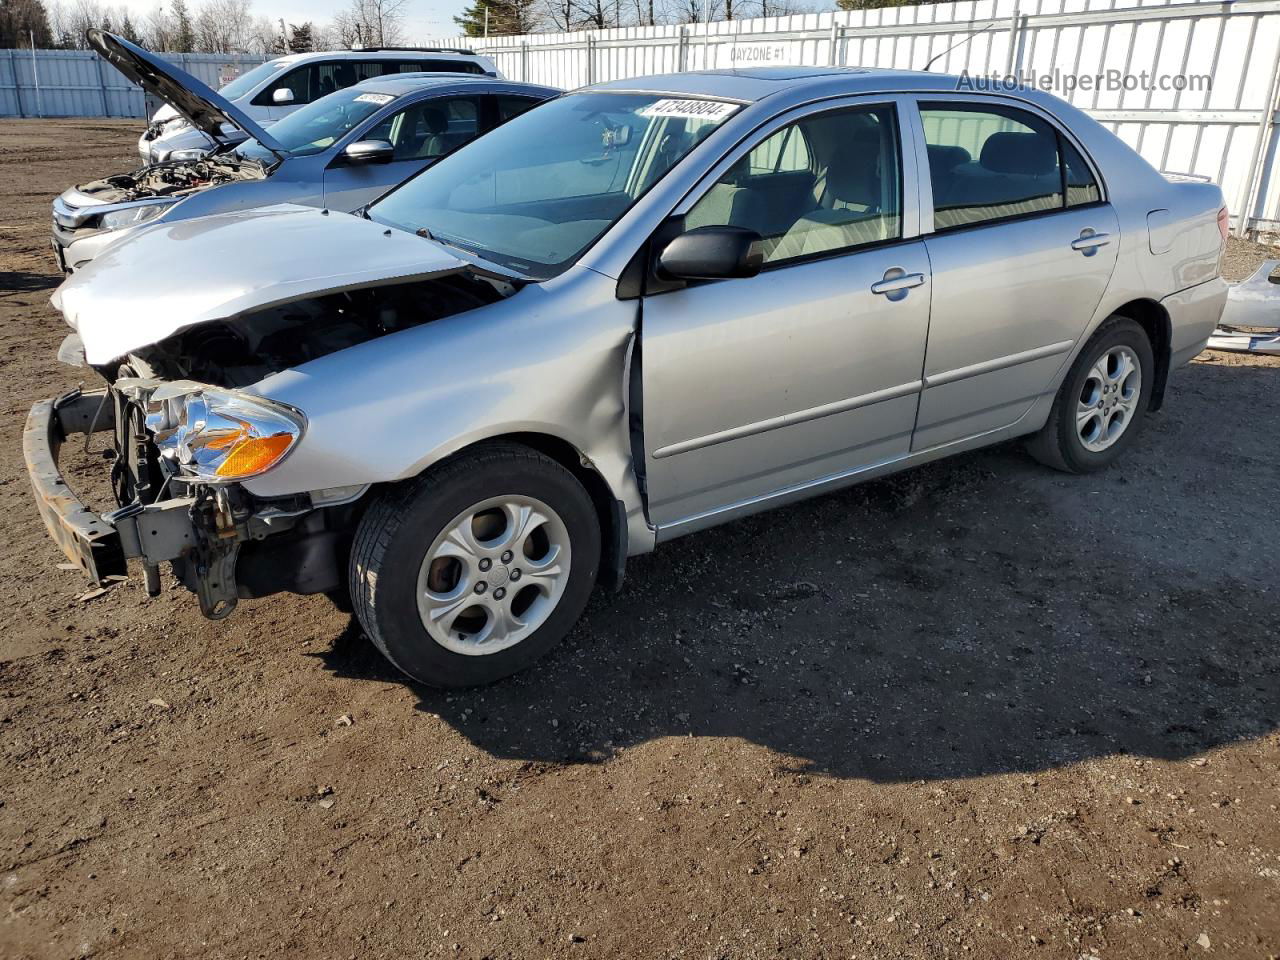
[{"x": 711, "y": 253}]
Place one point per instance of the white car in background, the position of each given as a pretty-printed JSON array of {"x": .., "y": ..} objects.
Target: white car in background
[{"x": 273, "y": 90}]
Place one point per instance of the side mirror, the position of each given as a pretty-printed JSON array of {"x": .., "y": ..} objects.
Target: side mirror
[
  {"x": 712, "y": 253},
  {"x": 282, "y": 95},
  {"x": 368, "y": 151}
]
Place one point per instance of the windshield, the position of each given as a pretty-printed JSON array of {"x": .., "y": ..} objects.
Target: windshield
[
  {"x": 242, "y": 84},
  {"x": 537, "y": 191},
  {"x": 319, "y": 125}
]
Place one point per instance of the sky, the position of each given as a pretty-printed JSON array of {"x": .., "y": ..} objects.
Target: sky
[{"x": 423, "y": 18}]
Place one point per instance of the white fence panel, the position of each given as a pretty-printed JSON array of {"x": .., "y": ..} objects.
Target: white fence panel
[
  {"x": 79, "y": 83},
  {"x": 1225, "y": 129}
]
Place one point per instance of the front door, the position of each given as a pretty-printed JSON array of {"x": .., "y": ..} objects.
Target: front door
[
  {"x": 1019, "y": 264},
  {"x": 761, "y": 386},
  {"x": 421, "y": 134}
]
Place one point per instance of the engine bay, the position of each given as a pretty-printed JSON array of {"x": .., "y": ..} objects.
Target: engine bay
[
  {"x": 244, "y": 349},
  {"x": 173, "y": 179}
]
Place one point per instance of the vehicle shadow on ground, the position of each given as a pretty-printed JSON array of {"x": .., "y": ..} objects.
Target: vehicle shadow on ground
[
  {"x": 24, "y": 282},
  {"x": 963, "y": 619}
]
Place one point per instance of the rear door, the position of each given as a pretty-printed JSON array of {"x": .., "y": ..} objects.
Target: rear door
[
  {"x": 1022, "y": 248},
  {"x": 756, "y": 388},
  {"x": 421, "y": 134}
]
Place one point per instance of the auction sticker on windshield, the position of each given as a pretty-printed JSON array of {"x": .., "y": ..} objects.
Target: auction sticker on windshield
[
  {"x": 381, "y": 99},
  {"x": 714, "y": 110}
]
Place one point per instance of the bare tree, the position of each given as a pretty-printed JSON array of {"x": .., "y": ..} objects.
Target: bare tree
[{"x": 224, "y": 26}]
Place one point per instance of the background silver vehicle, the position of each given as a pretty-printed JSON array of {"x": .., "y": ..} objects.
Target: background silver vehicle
[
  {"x": 272, "y": 90},
  {"x": 340, "y": 152},
  {"x": 634, "y": 312}
]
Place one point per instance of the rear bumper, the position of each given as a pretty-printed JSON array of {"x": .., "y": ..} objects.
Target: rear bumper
[
  {"x": 1193, "y": 315},
  {"x": 98, "y": 543}
]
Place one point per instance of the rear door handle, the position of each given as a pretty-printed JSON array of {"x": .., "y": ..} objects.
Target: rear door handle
[
  {"x": 896, "y": 280},
  {"x": 1088, "y": 242}
]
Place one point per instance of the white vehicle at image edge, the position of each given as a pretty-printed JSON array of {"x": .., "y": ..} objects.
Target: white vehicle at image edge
[
  {"x": 631, "y": 313},
  {"x": 272, "y": 90}
]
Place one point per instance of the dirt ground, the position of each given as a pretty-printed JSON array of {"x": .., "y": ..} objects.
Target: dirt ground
[{"x": 979, "y": 710}]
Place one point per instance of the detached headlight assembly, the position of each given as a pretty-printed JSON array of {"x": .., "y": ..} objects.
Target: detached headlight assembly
[
  {"x": 132, "y": 216},
  {"x": 220, "y": 436}
]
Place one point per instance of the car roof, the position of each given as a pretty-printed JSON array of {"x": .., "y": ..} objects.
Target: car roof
[
  {"x": 387, "y": 53},
  {"x": 399, "y": 85},
  {"x": 757, "y": 83}
]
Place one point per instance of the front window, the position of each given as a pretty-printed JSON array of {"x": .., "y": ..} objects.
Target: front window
[
  {"x": 242, "y": 84},
  {"x": 317, "y": 126},
  {"x": 539, "y": 190}
]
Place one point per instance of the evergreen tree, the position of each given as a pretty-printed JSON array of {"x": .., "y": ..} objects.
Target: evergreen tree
[
  {"x": 301, "y": 37},
  {"x": 20, "y": 21},
  {"x": 184, "y": 33},
  {"x": 505, "y": 17},
  {"x": 128, "y": 30}
]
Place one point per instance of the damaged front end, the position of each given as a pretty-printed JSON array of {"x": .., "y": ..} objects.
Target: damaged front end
[
  {"x": 190, "y": 430},
  {"x": 177, "y": 454},
  {"x": 1251, "y": 318}
]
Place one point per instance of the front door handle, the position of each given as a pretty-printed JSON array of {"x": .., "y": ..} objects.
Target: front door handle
[
  {"x": 896, "y": 280},
  {"x": 1088, "y": 242}
]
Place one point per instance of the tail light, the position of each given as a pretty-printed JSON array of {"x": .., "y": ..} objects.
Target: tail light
[{"x": 1224, "y": 224}]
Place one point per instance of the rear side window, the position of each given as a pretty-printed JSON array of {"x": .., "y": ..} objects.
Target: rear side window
[
  {"x": 315, "y": 80},
  {"x": 993, "y": 162},
  {"x": 438, "y": 66}
]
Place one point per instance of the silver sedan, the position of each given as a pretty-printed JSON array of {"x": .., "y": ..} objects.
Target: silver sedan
[{"x": 632, "y": 313}]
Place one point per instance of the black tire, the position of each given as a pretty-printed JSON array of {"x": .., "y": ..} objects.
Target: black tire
[
  {"x": 399, "y": 528},
  {"x": 1059, "y": 444}
]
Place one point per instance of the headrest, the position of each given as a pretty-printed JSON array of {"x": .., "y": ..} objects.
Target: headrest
[
  {"x": 437, "y": 123},
  {"x": 944, "y": 157},
  {"x": 1022, "y": 153},
  {"x": 853, "y": 174}
]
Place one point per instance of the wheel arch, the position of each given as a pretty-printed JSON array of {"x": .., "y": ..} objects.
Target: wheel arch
[
  {"x": 1154, "y": 319},
  {"x": 610, "y": 509}
]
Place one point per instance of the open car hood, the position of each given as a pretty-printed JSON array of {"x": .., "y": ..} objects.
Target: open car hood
[
  {"x": 171, "y": 276},
  {"x": 204, "y": 107}
]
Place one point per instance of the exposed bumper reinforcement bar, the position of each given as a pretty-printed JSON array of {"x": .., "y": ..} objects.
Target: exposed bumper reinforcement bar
[{"x": 99, "y": 544}]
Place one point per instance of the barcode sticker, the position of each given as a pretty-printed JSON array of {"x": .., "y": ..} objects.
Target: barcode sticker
[{"x": 713, "y": 110}]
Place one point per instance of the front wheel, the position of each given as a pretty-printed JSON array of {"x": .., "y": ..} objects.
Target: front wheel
[
  {"x": 1102, "y": 401},
  {"x": 478, "y": 567}
]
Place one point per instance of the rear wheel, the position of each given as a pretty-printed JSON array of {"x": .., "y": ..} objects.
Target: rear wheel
[
  {"x": 478, "y": 567},
  {"x": 1101, "y": 403}
]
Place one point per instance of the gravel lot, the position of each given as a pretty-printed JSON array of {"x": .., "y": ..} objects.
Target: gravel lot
[{"x": 978, "y": 710}]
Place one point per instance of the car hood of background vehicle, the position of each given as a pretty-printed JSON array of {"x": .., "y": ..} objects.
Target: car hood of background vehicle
[
  {"x": 176, "y": 275},
  {"x": 206, "y": 109}
]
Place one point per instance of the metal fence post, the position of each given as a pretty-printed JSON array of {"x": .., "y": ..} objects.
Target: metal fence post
[
  {"x": 524, "y": 60},
  {"x": 836, "y": 32},
  {"x": 1015, "y": 38},
  {"x": 1257, "y": 175},
  {"x": 591, "y": 64},
  {"x": 17, "y": 87},
  {"x": 682, "y": 49},
  {"x": 102, "y": 86}
]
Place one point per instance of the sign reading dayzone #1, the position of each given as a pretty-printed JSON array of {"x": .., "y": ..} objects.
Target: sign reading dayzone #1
[
  {"x": 714, "y": 110},
  {"x": 762, "y": 53}
]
